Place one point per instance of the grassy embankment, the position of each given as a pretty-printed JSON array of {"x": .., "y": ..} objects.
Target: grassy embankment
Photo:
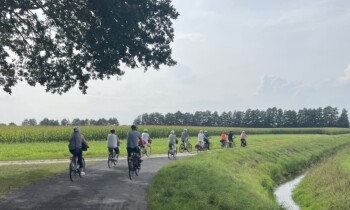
[
  {"x": 326, "y": 185},
  {"x": 242, "y": 178},
  {"x": 15, "y": 176}
]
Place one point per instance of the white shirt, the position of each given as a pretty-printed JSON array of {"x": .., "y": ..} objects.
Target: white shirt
[
  {"x": 201, "y": 138},
  {"x": 112, "y": 141},
  {"x": 145, "y": 137}
]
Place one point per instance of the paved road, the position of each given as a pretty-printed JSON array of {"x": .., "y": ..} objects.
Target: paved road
[{"x": 102, "y": 188}]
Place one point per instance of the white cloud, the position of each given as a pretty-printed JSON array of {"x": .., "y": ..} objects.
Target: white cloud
[{"x": 346, "y": 77}]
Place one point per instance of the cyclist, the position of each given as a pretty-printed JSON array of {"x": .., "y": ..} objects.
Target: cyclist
[
  {"x": 112, "y": 143},
  {"x": 184, "y": 137},
  {"x": 146, "y": 139},
  {"x": 223, "y": 139},
  {"x": 201, "y": 138},
  {"x": 172, "y": 140},
  {"x": 231, "y": 138},
  {"x": 206, "y": 138},
  {"x": 74, "y": 146},
  {"x": 243, "y": 139},
  {"x": 133, "y": 139}
]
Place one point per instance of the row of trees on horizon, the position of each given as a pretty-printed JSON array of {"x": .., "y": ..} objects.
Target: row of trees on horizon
[
  {"x": 270, "y": 118},
  {"x": 65, "y": 122}
]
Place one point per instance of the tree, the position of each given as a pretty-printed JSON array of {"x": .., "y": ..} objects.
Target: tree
[
  {"x": 343, "y": 120},
  {"x": 29, "y": 122},
  {"x": 64, "y": 122},
  {"x": 58, "y": 44}
]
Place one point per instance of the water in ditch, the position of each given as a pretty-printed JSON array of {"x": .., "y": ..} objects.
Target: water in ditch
[{"x": 284, "y": 193}]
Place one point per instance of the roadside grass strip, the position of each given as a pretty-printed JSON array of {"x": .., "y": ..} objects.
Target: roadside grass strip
[
  {"x": 327, "y": 184},
  {"x": 14, "y": 177},
  {"x": 239, "y": 178}
]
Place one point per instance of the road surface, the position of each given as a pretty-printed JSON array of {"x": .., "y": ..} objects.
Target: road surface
[{"x": 101, "y": 188}]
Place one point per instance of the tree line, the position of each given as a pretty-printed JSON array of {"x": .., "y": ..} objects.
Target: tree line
[
  {"x": 65, "y": 122},
  {"x": 269, "y": 118}
]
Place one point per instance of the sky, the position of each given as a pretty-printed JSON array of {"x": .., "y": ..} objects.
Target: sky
[{"x": 231, "y": 55}]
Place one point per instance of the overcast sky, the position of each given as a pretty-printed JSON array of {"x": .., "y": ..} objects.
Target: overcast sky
[{"x": 232, "y": 55}]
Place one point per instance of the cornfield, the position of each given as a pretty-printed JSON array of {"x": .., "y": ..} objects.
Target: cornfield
[{"x": 22, "y": 134}]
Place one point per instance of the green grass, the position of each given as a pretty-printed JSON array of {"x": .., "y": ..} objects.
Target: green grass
[
  {"x": 326, "y": 185},
  {"x": 16, "y": 176},
  {"x": 25, "y": 134},
  {"x": 242, "y": 178}
]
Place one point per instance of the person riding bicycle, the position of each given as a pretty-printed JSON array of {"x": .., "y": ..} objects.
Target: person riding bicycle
[
  {"x": 184, "y": 137},
  {"x": 112, "y": 143},
  {"x": 223, "y": 139},
  {"x": 243, "y": 139},
  {"x": 75, "y": 144},
  {"x": 133, "y": 138},
  {"x": 146, "y": 139},
  {"x": 201, "y": 138},
  {"x": 172, "y": 140},
  {"x": 231, "y": 138},
  {"x": 206, "y": 138}
]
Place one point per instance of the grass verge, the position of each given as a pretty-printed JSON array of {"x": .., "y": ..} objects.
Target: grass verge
[
  {"x": 326, "y": 185},
  {"x": 242, "y": 178},
  {"x": 16, "y": 176}
]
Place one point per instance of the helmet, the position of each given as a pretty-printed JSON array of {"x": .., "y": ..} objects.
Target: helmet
[
  {"x": 172, "y": 132},
  {"x": 145, "y": 130},
  {"x": 185, "y": 129},
  {"x": 205, "y": 131},
  {"x": 201, "y": 131},
  {"x": 133, "y": 127},
  {"x": 112, "y": 130},
  {"x": 76, "y": 128}
]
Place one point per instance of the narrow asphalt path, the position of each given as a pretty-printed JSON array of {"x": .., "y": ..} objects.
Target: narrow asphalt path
[{"x": 101, "y": 188}]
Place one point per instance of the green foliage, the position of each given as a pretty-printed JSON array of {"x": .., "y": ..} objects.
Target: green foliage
[
  {"x": 326, "y": 185},
  {"x": 71, "y": 42},
  {"x": 239, "y": 178}
]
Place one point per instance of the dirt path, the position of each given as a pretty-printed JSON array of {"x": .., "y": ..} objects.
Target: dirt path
[{"x": 102, "y": 188}]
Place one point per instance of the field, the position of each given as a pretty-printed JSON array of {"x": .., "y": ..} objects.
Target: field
[
  {"x": 242, "y": 178},
  {"x": 238, "y": 178},
  {"x": 326, "y": 185},
  {"x": 26, "y": 134}
]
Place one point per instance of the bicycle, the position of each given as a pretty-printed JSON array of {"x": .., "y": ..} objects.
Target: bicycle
[
  {"x": 188, "y": 147},
  {"x": 172, "y": 152},
  {"x": 145, "y": 150},
  {"x": 231, "y": 144},
  {"x": 112, "y": 159},
  {"x": 74, "y": 171},
  {"x": 134, "y": 164},
  {"x": 202, "y": 148}
]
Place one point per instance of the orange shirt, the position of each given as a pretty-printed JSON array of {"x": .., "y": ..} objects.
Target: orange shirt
[{"x": 223, "y": 136}]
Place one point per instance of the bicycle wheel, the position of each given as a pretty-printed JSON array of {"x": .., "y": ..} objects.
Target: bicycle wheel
[
  {"x": 136, "y": 166},
  {"x": 143, "y": 151},
  {"x": 182, "y": 148},
  {"x": 109, "y": 161},
  {"x": 175, "y": 153},
  {"x": 72, "y": 171},
  {"x": 169, "y": 154},
  {"x": 189, "y": 147},
  {"x": 130, "y": 166},
  {"x": 148, "y": 151},
  {"x": 83, "y": 161}
]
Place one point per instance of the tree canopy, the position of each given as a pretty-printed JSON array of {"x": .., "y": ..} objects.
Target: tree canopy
[{"x": 59, "y": 44}]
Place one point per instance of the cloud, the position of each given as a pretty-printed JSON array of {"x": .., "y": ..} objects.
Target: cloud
[{"x": 346, "y": 77}]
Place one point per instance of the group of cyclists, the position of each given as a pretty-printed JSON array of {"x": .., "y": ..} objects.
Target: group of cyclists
[
  {"x": 135, "y": 140},
  {"x": 230, "y": 139}
]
